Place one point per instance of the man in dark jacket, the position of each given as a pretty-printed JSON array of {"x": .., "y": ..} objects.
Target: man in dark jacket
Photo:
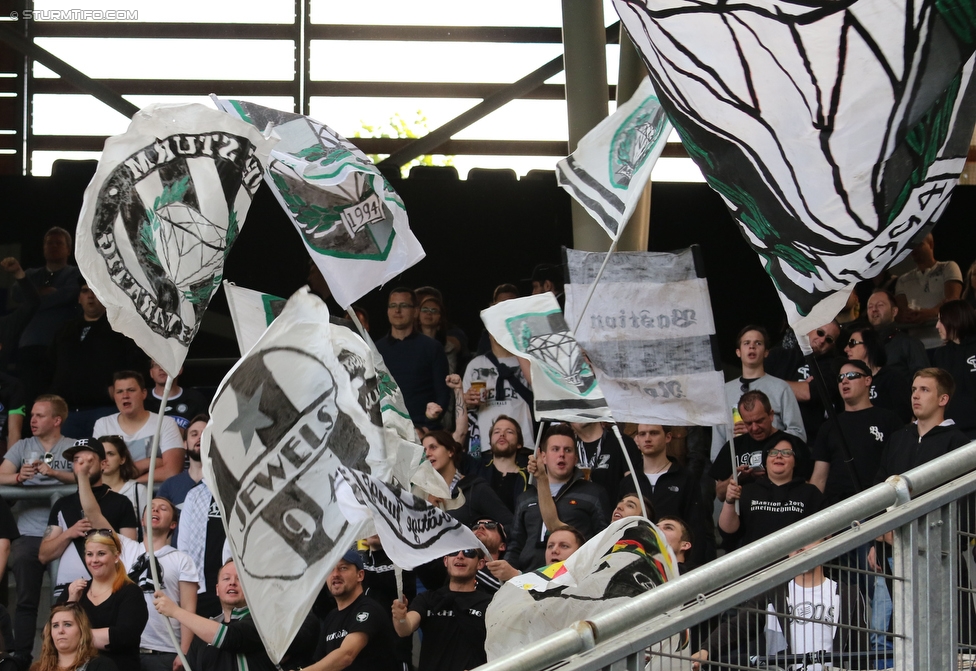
[
  {"x": 932, "y": 435},
  {"x": 578, "y": 503}
]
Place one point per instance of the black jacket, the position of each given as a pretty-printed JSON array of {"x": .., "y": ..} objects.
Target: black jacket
[
  {"x": 580, "y": 504},
  {"x": 480, "y": 502},
  {"x": 907, "y": 449},
  {"x": 960, "y": 361}
]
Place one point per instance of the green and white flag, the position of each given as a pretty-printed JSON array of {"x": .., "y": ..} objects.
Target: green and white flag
[
  {"x": 563, "y": 383},
  {"x": 612, "y": 163},
  {"x": 159, "y": 217},
  {"x": 252, "y": 313},
  {"x": 353, "y": 223}
]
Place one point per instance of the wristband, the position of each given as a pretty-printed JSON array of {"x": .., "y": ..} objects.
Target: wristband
[{"x": 18, "y": 477}]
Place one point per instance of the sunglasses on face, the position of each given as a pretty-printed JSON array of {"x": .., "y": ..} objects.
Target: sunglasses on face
[
  {"x": 490, "y": 526},
  {"x": 850, "y": 375},
  {"x": 468, "y": 554},
  {"x": 827, "y": 339},
  {"x": 781, "y": 453},
  {"x": 854, "y": 343}
]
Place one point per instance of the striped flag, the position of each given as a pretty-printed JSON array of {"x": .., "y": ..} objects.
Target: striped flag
[
  {"x": 563, "y": 384},
  {"x": 613, "y": 162},
  {"x": 835, "y": 132},
  {"x": 252, "y": 313},
  {"x": 649, "y": 333}
]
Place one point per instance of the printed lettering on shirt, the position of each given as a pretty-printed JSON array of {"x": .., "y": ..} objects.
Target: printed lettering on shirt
[
  {"x": 603, "y": 463},
  {"x": 876, "y": 432},
  {"x": 874, "y": 393},
  {"x": 476, "y": 613},
  {"x": 803, "y": 372},
  {"x": 972, "y": 362},
  {"x": 214, "y": 509},
  {"x": 336, "y": 634},
  {"x": 776, "y": 506},
  {"x": 813, "y": 611}
]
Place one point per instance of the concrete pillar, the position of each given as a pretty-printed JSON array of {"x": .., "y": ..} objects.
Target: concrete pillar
[
  {"x": 584, "y": 48},
  {"x": 631, "y": 73}
]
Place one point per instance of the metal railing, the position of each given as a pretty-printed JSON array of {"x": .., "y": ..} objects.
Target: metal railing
[{"x": 931, "y": 624}]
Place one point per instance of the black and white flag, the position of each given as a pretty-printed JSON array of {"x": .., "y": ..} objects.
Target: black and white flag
[
  {"x": 412, "y": 531},
  {"x": 159, "y": 217},
  {"x": 302, "y": 404},
  {"x": 648, "y": 334}
]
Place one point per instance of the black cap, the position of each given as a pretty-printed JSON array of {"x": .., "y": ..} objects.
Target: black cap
[{"x": 83, "y": 444}]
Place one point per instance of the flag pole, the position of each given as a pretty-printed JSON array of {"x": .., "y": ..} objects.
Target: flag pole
[
  {"x": 589, "y": 295},
  {"x": 147, "y": 518},
  {"x": 630, "y": 465},
  {"x": 735, "y": 466}
]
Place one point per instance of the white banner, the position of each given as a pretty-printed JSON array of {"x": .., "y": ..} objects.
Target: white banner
[
  {"x": 299, "y": 406},
  {"x": 612, "y": 163},
  {"x": 648, "y": 333},
  {"x": 563, "y": 384},
  {"x": 353, "y": 223},
  {"x": 412, "y": 531},
  {"x": 159, "y": 217}
]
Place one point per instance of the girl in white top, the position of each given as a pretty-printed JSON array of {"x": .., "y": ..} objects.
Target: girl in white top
[{"x": 119, "y": 472}]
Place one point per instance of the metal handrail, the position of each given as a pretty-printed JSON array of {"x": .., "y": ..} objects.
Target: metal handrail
[{"x": 632, "y": 621}]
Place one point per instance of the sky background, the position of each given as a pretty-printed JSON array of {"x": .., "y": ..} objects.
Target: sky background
[{"x": 330, "y": 60}]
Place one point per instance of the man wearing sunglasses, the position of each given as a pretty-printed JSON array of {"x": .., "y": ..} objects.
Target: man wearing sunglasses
[
  {"x": 417, "y": 362},
  {"x": 773, "y": 501},
  {"x": 787, "y": 362},
  {"x": 867, "y": 430},
  {"x": 492, "y": 534},
  {"x": 452, "y": 618}
]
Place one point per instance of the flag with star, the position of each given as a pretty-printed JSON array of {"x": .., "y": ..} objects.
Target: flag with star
[
  {"x": 159, "y": 218},
  {"x": 302, "y": 403},
  {"x": 354, "y": 225}
]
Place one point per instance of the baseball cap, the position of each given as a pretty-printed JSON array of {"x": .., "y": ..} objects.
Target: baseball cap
[
  {"x": 353, "y": 557},
  {"x": 83, "y": 444}
]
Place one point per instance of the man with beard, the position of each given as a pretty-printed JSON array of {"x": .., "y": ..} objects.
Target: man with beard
[
  {"x": 506, "y": 471},
  {"x": 902, "y": 349},
  {"x": 176, "y": 488},
  {"x": 358, "y": 634},
  {"x": 452, "y": 617},
  {"x": 64, "y": 538},
  {"x": 202, "y": 533}
]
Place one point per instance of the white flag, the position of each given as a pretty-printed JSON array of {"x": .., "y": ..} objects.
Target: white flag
[
  {"x": 624, "y": 560},
  {"x": 159, "y": 217},
  {"x": 353, "y": 223},
  {"x": 412, "y": 531},
  {"x": 612, "y": 163},
  {"x": 299, "y": 406},
  {"x": 563, "y": 384},
  {"x": 648, "y": 333},
  {"x": 252, "y": 313}
]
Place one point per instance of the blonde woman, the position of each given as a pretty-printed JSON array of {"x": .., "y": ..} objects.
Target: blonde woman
[{"x": 113, "y": 603}]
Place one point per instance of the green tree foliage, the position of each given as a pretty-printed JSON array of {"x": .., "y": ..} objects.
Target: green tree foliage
[{"x": 401, "y": 127}]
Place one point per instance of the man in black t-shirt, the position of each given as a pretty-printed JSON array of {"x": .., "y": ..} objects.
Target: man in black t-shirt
[
  {"x": 64, "y": 538},
  {"x": 757, "y": 414},
  {"x": 867, "y": 430},
  {"x": 358, "y": 635},
  {"x": 452, "y": 617}
]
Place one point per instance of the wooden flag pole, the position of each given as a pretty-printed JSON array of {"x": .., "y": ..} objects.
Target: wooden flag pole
[{"x": 147, "y": 518}]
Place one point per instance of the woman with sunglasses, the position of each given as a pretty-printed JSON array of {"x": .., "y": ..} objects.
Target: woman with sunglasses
[
  {"x": 68, "y": 643},
  {"x": 113, "y": 603},
  {"x": 891, "y": 386},
  {"x": 957, "y": 328},
  {"x": 119, "y": 472}
]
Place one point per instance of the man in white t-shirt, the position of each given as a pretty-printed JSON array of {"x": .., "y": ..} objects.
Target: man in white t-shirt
[
  {"x": 921, "y": 291},
  {"x": 137, "y": 426},
  {"x": 495, "y": 385}
]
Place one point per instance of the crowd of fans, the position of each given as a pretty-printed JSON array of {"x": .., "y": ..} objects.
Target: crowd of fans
[{"x": 877, "y": 398}]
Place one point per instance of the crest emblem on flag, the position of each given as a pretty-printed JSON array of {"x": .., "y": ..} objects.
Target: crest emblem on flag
[
  {"x": 546, "y": 337},
  {"x": 635, "y": 140},
  {"x": 160, "y": 216}
]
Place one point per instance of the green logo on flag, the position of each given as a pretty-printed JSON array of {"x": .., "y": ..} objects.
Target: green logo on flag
[
  {"x": 633, "y": 141},
  {"x": 545, "y": 336}
]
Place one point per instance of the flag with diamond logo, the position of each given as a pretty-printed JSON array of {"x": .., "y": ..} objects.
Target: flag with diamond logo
[{"x": 160, "y": 216}]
